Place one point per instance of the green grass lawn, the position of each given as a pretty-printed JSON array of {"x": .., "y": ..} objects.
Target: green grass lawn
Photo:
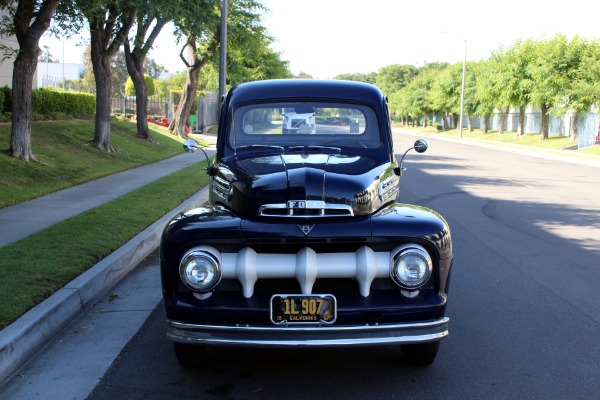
[
  {"x": 35, "y": 267},
  {"x": 66, "y": 159}
]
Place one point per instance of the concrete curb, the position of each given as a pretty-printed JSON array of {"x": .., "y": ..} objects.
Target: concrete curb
[{"x": 23, "y": 338}]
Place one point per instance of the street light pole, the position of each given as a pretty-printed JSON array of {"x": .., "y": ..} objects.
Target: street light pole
[
  {"x": 223, "y": 53},
  {"x": 63, "y": 65},
  {"x": 47, "y": 57}
]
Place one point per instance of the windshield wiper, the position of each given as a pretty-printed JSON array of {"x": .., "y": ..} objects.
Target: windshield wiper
[
  {"x": 315, "y": 147},
  {"x": 259, "y": 146}
]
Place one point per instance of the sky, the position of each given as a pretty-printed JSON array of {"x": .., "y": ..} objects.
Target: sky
[{"x": 325, "y": 38}]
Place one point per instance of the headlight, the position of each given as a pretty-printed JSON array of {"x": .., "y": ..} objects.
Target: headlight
[
  {"x": 411, "y": 267},
  {"x": 200, "y": 271}
]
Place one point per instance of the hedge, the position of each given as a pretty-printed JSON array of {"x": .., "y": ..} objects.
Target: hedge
[{"x": 49, "y": 101}]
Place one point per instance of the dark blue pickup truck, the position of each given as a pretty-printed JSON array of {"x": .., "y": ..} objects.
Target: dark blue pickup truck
[{"x": 303, "y": 242}]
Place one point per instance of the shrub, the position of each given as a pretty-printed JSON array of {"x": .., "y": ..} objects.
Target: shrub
[
  {"x": 130, "y": 89},
  {"x": 47, "y": 101},
  {"x": 7, "y": 104}
]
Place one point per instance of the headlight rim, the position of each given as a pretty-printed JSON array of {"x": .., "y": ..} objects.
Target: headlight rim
[
  {"x": 411, "y": 249},
  {"x": 212, "y": 258}
]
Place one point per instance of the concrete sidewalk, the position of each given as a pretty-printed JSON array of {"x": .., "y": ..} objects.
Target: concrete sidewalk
[
  {"x": 22, "y": 220},
  {"x": 22, "y": 339}
]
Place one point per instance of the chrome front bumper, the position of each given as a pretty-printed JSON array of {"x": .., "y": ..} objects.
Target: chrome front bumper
[{"x": 314, "y": 336}]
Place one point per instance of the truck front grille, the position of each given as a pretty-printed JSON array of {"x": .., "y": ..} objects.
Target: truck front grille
[{"x": 321, "y": 210}]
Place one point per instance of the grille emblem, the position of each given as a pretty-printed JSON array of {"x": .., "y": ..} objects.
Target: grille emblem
[{"x": 305, "y": 228}]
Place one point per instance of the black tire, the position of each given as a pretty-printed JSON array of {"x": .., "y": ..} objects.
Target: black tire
[
  {"x": 420, "y": 355},
  {"x": 191, "y": 356}
]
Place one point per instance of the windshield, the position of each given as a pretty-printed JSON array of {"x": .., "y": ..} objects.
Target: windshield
[{"x": 305, "y": 124}]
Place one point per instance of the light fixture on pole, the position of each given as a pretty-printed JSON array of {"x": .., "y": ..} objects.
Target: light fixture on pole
[{"x": 47, "y": 58}]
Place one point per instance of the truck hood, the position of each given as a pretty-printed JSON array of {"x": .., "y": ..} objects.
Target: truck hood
[{"x": 306, "y": 185}]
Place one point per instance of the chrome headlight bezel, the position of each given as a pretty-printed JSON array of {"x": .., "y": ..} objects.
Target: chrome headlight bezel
[
  {"x": 403, "y": 263},
  {"x": 200, "y": 259}
]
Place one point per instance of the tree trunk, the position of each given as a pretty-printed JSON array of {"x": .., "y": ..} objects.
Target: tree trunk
[
  {"x": 103, "y": 75},
  {"x": 134, "y": 60},
  {"x": 22, "y": 82},
  {"x": 446, "y": 121},
  {"x": 28, "y": 36},
  {"x": 182, "y": 113},
  {"x": 521, "y": 128},
  {"x": 575, "y": 127},
  {"x": 470, "y": 119},
  {"x": 503, "y": 121},
  {"x": 486, "y": 123},
  {"x": 545, "y": 122},
  {"x": 104, "y": 43},
  {"x": 135, "y": 68},
  {"x": 188, "y": 96}
]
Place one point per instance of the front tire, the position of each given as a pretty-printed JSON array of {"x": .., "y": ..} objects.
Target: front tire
[
  {"x": 420, "y": 355},
  {"x": 191, "y": 356}
]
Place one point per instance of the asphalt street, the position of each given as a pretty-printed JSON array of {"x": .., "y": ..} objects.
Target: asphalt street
[{"x": 517, "y": 318}]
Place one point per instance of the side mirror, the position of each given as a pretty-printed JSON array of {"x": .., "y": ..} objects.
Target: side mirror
[
  {"x": 420, "y": 146},
  {"x": 190, "y": 145}
]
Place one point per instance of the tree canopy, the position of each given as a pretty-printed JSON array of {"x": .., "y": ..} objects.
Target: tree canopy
[{"x": 555, "y": 75}]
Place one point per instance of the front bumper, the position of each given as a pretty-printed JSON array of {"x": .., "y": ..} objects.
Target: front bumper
[{"x": 303, "y": 336}]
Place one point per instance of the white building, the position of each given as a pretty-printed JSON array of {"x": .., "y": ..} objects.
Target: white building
[{"x": 52, "y": 74}]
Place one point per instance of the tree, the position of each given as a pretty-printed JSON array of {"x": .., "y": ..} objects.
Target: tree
[
  {"x": 119, "y": 74},
  {"x": 46, "y": 56},
  {"x": 130, "y": 88},
  {"x": 249, "y": 57},
  {"x": 445, "y": 94},
  {"x": 485, "y": 98},
  {"x": 370, "y": 77},
  {"x": 109, "y": 22},
  {"x": 471, "y": 105},
  {"x": 418, "y": 91},
  {"x": 394, "y": 77},
  {"x": 188, "y": 96},
  {"x": 154, "y": 69},
  {"x": 151, "y": 18},
  {"x": 203, "y": 28},
  {"x": 28, "y": 22},
  {"x": 583, "y": 77},
  {"x": 304, "y": 75},
  {"x": 550, "y": 71},
  {"x": 173, "y": 82},
  {"x": 517, "y": 79},
  {"x": 491, "y": 87}
]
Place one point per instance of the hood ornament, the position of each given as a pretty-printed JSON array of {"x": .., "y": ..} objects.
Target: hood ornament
[{"x": 305, "y": 228}]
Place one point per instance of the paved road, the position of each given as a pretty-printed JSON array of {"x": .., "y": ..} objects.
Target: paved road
[{"x": 524, "y": 305}]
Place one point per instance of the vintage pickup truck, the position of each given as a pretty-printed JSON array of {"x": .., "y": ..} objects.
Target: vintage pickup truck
[{"x": 303, "y": 242}]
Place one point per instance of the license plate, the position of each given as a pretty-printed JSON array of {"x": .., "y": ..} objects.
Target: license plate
[{"x": 303, "y": 309}]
